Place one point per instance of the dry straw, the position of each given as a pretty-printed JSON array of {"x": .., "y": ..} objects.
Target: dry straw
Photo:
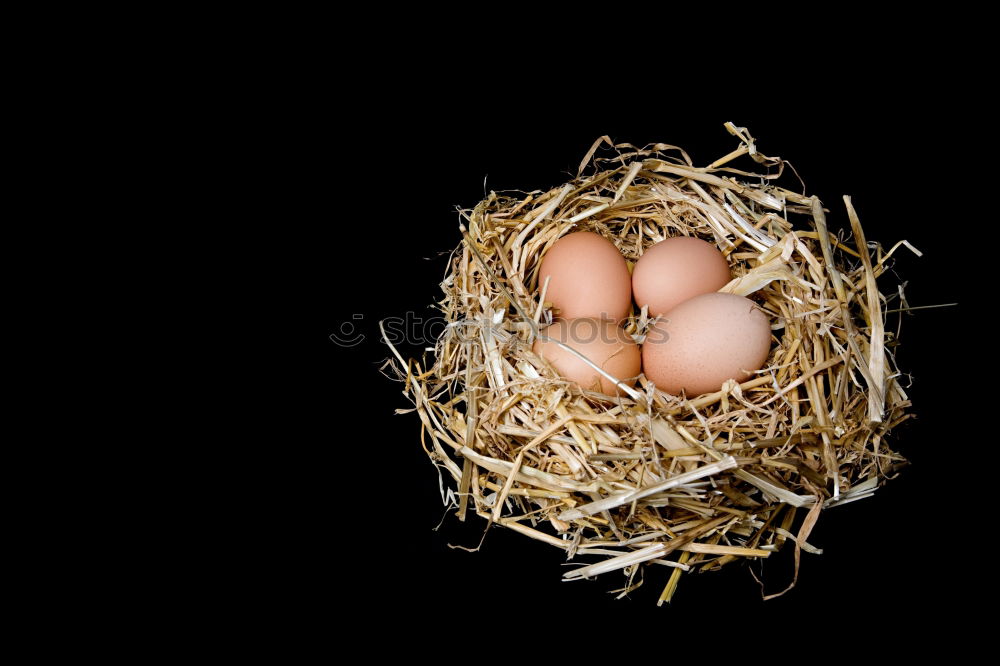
[{"x": 690, "y": 482}]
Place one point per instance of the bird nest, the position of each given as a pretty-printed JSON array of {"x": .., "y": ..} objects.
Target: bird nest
[{"x": 645, "y": 477}]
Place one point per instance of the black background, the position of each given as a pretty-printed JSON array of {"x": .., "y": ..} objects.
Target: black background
[{"x": 377, "y": 219}]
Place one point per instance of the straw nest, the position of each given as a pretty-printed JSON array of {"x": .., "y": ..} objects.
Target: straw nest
[{"x": 689, "y": 482}]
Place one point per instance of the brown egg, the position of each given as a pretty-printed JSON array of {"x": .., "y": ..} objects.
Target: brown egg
[
  {"x": 602, "y": 341},
  {"x": 705, "y": 341},
  {"x": 674, "y": 270},
  {"x": 588, "y": 278}
]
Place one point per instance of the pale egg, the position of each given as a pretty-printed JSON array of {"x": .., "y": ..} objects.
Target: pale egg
[
  {"x": 704, "y": 341},
  {"x": 602, "y": 341},
  {"x": 588, "y": 277},
  {"x": 676, "y": 269}
]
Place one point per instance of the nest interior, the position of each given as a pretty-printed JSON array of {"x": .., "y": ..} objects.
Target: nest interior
[{"x": 644, "y": 477}]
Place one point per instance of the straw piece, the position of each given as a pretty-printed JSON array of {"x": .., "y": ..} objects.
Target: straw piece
[
  {"x": 516, "y": 467},
  {"x": 590, "y": 153},
  {"x": 530, "y": 475},
  {"x": 714, "y": 549},
  {"x": 675, "y": 577},
  {"x": 807, "y": 526},
  {"x": 655, "y": 551},
  {"x": 876, "y": 359},
  {"x": 626, "y": 498}
]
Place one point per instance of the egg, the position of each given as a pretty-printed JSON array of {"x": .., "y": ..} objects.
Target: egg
[
  {"x": 588, "y": 277},
  {"x": 704, "y": 341},
  {"x": 602, "y": 341},
  {"x": 672, "y": 271}
]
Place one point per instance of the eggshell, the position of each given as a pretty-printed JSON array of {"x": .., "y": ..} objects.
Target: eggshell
[
  {"x": 588, "y": 278},
  {"x": 674, "y": 270},
  {"x": 600, "y": 340},
  {"x": 705, "y": 341}
]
